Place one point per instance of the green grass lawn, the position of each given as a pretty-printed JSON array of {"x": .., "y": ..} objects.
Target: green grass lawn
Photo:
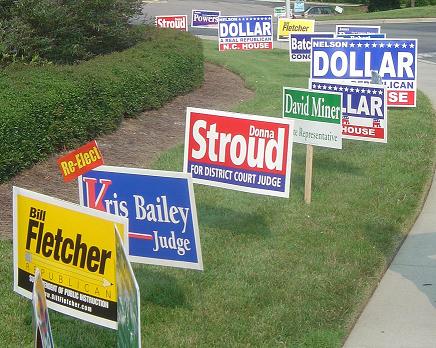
[
  {"x": 277, "y": 272},
  {"x": 353, "y": 13}
]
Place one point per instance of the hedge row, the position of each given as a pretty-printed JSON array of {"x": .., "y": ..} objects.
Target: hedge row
[{"x": 51, "y": 108}]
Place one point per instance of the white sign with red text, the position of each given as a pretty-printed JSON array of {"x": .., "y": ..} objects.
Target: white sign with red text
[
  {"x": 179, "y": 22},
  {"x": 240, "y": 152}
]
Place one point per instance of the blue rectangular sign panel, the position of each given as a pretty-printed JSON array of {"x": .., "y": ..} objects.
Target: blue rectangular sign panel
[
  {"x": 364, "y": 109},
  {"x": 361, "y": 36},
  {"x": 357, "y": 29},
  {"x": 300, "y": 45},
  {"x": 160, "y": 206},
  {"x": 205, "y": 19},
  {"x": 395, "y": 60},
  {"x": 245, "y": 33}
]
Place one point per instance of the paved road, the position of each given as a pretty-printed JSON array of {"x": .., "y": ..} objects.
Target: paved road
[{"x": 424, "y": 32}]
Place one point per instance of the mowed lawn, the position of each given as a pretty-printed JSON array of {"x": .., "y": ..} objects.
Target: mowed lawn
[{"x": 277, "y": 272}]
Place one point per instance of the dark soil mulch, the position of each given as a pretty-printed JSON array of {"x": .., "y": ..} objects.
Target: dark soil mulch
[{"x": 136, "y": 143}]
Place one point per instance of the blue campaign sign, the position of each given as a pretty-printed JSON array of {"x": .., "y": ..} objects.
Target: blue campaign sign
[
  {"x": 301, "y": 43},
  {"x": 205, "y": 19},
  {"x": 395, "y": 60},
  {"x": 160, "y": 206},
  {"x": 362, "y": 36},
  {"x": 357, "y": 29},
  {"x": 245, "y": 32},
  {"x": 364, "y": 109}
]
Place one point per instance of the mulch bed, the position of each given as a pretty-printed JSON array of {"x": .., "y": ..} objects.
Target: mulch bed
[{"x": 137, "y": 142}]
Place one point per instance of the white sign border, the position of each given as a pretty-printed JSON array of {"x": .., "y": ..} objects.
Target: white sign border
[
  {"x": 356, "y": 79},
  {"x": 162, "y": 16},
  {"x": 74, "y": 207},
  {"x": 167, "y": 174},
  {"x": 202, "y": 26},
  {"x": 289, "y": 122},
  {"x": 385, "y": 109}
]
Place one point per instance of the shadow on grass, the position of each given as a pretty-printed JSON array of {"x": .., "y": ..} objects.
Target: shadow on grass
[
  {"x": 238, "y": 222},
  {"x": 159, "y": 288},
  {"x": 331, "y": 164}
]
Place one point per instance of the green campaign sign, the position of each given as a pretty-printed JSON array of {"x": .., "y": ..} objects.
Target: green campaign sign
[{"x": 317, "y": 115}]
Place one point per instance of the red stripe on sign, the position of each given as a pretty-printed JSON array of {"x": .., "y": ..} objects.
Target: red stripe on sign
[
  {"x": 360, "y": 131},
  {"x": 401, "y": 98},
  {"x": 141, "y": 236},
  {"x": 246, "y": 46}
]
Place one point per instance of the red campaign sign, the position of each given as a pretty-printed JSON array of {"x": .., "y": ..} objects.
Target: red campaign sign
[
  {"x": 80, "y": 161},
  {"x": 361, "y": 131},
  {"x": 240, "y": 152},
  {"x": 179, "y": 22},
  {"x": 401, "y": 98}
]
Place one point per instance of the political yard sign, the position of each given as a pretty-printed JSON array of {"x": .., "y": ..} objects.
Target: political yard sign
[
  {"x": 361, "y": 36},
  {"x": 317, "y": 116},
  {"x": 129, "y": 309},
  {"x": 287, "y": 26},
  {"x": 354, "y": 60},
  {"x": 74, "y": 248},
  {"x": 179, "y": 22},
  {"x": 240, "y": 152},
  {"x": 205, "y": 19},
  {"x": 160, "y": 206},
  {"x": 245, "y": 33},
  {"x": 300, "y": 45},
  {"x": 357, "y": 29},
  {"x": 364, "y": 110}
]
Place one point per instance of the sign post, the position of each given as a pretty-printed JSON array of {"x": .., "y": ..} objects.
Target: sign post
[
  {"x": 317, "y": 117},
  {"x": 308, "y": 178}
]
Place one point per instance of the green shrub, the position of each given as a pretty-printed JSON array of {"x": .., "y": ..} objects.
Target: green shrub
[
  {"x": 383, "y": 5},
  {"x": 50, "y": 108},
  {"x": 65, "y": 31},
  {"x": 420, "y": 3}
]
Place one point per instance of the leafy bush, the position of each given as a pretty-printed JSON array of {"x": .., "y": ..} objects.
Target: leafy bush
[
  {"x": 44, "y": 109},
  {"x": 65, "y": 31},
  {"x": 419, "y": 3},
  {"x": 383, "y": 5}
]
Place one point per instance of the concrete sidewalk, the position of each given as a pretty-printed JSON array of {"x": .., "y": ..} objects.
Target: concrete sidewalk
[{"x": 402, "y": 310}]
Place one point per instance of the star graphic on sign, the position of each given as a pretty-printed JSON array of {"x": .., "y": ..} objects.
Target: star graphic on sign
[
  {"x": 382, "y": 45},
  {"x": 397, "y": 45},
  {"x": 411, "y": 45},
  {"x": 363, "y": 90},
  {"x": 346, "y": 89},
  {"x": 314, "y": 86},
  {"x": 404, "y": 45},
  {"x": 352, "y": 44},
  {"x": 324, "y": 87},
  {"x": 374, "y": 92},
  {"x": 351, "y": 90},
  {"x": 389, "y": 45},
  {"x": 357, "y": 90},
  {"x": 374, "y": 45},
  {"x": 380, "y": 92},
  {"x": 330, "y": 88},
  {"x": 359, "y": 45},
  {"x": 341, "y": 89},
  {"x": 335, "y": 88},
  {"x": 367, "y": 45}
]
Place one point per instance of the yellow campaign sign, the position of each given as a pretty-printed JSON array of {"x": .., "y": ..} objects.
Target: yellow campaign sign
[
  {"x": 74, "y": 248},
  {"x": 286, "y": 26}
]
